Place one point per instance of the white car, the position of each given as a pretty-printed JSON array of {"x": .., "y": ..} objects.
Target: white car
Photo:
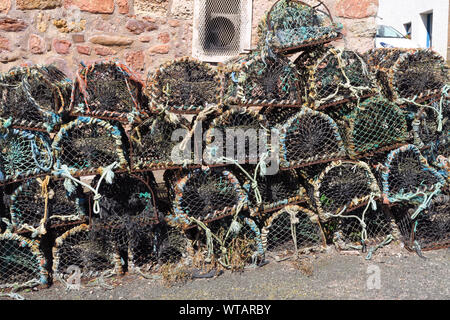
[{"x": 389, "y": 37}]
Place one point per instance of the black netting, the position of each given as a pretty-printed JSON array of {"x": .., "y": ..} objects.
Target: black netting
[
  {"x": 24, "y": 154},
  {"x": 343, "y": 186},
  {"x": 237, "y": 134},
  {"x": 408, "y": 73},
  {"x": 346, "y": 232},
  {"x": 262, "y": 80},
  {"x": 310, "y": 137},
  {"x": 154, "y": 141},
  {"x": 108, "y": 90},
  {"x": 430, "y": 229},
  {"x": 186, "y": 85},
  {"x": 42, "y": 202},
  {"x": 289, "y": 25},
  {"x": 273, "y": 191},
  {"x": 89, "y": 250},
  {"x": 203, "y": 195},
  {"x": 33, "y": 97},
  {"x": 407, "y": 176},
  {"x": 87, "y": 144}
]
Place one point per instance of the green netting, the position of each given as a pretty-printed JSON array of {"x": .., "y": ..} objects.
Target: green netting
[{"x": 293, "y": 24}]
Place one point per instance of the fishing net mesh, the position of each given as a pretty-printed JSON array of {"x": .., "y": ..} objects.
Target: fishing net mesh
[
  {"x": 262, "y": 80},
  {"x": 346, "y": 232},
  {"x": 271, "y": 192},
  {"x": 33, "y": 97},
  {"x": 341, "y": 187},
  {"x": 90, "y": 251},
  {"x": 411, "y": 74},
  {"x": 238, "y": 134},
  {"x": 184, "y": 84},
  {"x": 310, "y": 137},
  {"x": 294, "y": 24},
  {"x": 108, "y": 90},
  {"x": 23, "y": 154},
  {"x": 430, "y": 230},
  {"x": 376, "y": 125},
  {"x": 203, "y": 195},
  {"x": 153, "y": 144},
  {"x": 292, "y": 230},
  {"x": 338, "y": 76},
  {"x": 22, "y": 262},
  {"x": 277, "y": 117},
  {"x": 40, "y": 203},
  {"x": 406, "y": 176},
  {"x": 87, "y": 144}
]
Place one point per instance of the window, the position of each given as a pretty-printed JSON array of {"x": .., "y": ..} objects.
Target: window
[
  {"x": 222, "y": 29},
  {"x": 388, "y": 32},
  {"x": 408, "y": 29}
]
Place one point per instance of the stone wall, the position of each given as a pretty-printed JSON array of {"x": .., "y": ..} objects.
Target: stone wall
[{"x": 142, "y": 33}]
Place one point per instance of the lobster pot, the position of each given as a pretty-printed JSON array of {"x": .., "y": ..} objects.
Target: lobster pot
[
  {"x": 43, "y": 202},
  {"x": 292, "y": 229},
  {"x": 338, "y": 76},
  {"x": 240, "y": 243},
  {"x": 23, "y": 264},
  {"x": 204, "y": 195},
  {"x": 277, "y": 117},
  {"x": 24, "y": 154},
  {"x": 310, "y": 137},
  {"x": 158, "y": 245},
  {"x": 108, "y": 90},
  {"x": 375, "y": 126},
  {"x": 33, "y": 97},
  {"x": 412, "y": 74},
  {"x": 424, "y": 122},
  {"x": 430, "y": 230},
  {"x": 291, "y": 24},
  {"x": 87, "y": 250},
  {"x": 87, "y": 144},
  {"x": 341, "y": 187},
  {"x": 275, "y": 190},
  {"x": 261, "y": 81},
  {"x": 155, "y": 144},
  {"x": 346, "y": 232},
  {"x": 237, "y": 134},
  {"x": 407, "y": 176},
  {"x": 184, "y": 85}
]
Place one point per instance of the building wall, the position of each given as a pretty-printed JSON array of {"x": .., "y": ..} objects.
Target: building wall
[
  {"x": 142, "y": 33},
  {"x": 397, "y": 13}
]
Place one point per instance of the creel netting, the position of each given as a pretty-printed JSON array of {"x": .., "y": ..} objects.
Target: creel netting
[
  {"x": 293, "y": 24},
  {"x": 153, "y": 143},
  {"x": 292, "y": 230},
  {"x": 22, "y": 262},
  {"x": 40, "y": 202},
  {"x": 262, "y": 80},
  {"x": 341, "y": 187},
  {"x": 33, "y": 97},
  {"x": 408, "y": 74},
  {"x": 203, "y": 195},
  {"x": 246, "y": 131},
  {"x": 310, "y": 137},
  {"x": 86, "y": 249},
  {"x": 24, "y": 154},
  {"x": 107, "y": 89},
  {"x": 183, "y": 85},
  {"x": 337, "y": 76},
  {"x": 87, "y": 144}
]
